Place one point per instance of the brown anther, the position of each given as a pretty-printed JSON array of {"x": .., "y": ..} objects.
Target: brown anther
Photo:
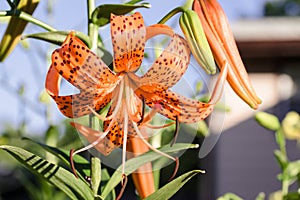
[
  {"x": 176, "y": 132},
  {"x": 123, "y": 183},
  {"x": 175, "y": 169},
  {"x": 72, "y": 163}
]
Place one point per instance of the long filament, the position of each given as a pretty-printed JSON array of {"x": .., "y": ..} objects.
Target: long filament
[
  {"x": 158, "y": 126},
  {"x": 116, "y": 108},
  {"x": 125, "y": 134},
  {"x": 148, "y": 144},
  {"x": 96, "y": 141}
]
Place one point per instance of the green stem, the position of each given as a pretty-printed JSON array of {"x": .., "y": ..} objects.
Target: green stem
[
  {"x": 285, "y": 187},
  {"x": 92, "y": 28},
  {"x": 28, "y": 18},
  {"x": 280, "y": 139},
  {"x": 11, "y": 4},
  {"x": 171, "y": 14}
]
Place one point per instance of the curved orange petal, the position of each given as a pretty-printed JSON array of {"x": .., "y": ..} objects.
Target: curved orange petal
[
  {"x": 78, "y": 105},
  {"x": 175, "y": 106},
  {"x": 128, "y": 37},
  {"x": 157, "y": 29},
  {"x": 83, "y": 69},
  {"x": 169, "y": 67}
]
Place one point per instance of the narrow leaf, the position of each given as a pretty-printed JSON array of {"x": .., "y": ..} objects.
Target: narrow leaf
[
  {"x": 134, "y": 1},
  {"x": 57, "y": 37},
  {"x": 280, "y": 139},
  {"x": 261, "y": 196},
  {"x": 134, "y": 163},
  {"x": 293, "y": 170},
  {"x": 101, "y": 15},
  {"x": 171, "y": 188},
  {"x": 15, "y": 28},
  {"x": 230, "y": 196},
  {"x": 54, "y": 174},
  {"x": 281, "y": 159},
  {"x": 292, "y": 196},
  {"x": 82, "y": 164},
  {"x": 105, "y": 177}
]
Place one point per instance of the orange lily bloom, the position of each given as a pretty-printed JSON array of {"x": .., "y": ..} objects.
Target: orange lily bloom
[
  {"x": 127, "y": 92},
  {"x": 223, "y": 46}
]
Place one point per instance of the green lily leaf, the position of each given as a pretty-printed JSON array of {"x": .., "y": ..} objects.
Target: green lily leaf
[
  {"x": 133, "y": 2},
  {"x": 280, "y": 140},
  {"x": 134, "y": 163},
  {"x": 105, "y": 177},
  {"x": 54, "y": 174},
  {"x": 230, "y": 196},
  {"x": 261, "y": 196},
  {"x": 293, "y": 170},
  {"x": 292, "y": 196},
  {"x": 171, "y": 188},
  {"x": 101, "y": 15},
  {"x": 15, "y": 28},
  {"x": 82, "y": 164},
  {"x": 281, "y": 159},
  {"x": 57, "y": 37}
]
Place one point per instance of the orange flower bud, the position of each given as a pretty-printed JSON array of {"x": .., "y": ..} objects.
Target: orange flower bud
[{"x": 223, "y": 46}]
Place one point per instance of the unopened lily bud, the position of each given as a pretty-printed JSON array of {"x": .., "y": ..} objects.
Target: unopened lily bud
[
  {"x": 268, "y": 121},
  {"x": 192, "y": 28},
  {"x": 223, "y": 46},
  {"x": 291, "y": 126}
]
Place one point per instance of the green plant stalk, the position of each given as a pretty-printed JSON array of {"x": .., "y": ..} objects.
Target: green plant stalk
[
  {"x": 176, "y": 10},
  {"x": 280, "y": 140},
  {"x": 11, "y": 4},
  {"x": 28, "y": 18},
  {"x": 170, "y": 14},
  {"x": 298, "y": 180},
  {"x": 92, "y": 28},
  {"x": 285, "y": 187}
]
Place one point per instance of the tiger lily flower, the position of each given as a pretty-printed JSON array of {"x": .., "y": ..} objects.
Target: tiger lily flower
[
  {"x": 127, "y": 92},
  {"x": 223, "y": 46}
]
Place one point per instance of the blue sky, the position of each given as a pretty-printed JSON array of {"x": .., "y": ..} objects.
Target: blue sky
[{"x": 29, "y": 67}]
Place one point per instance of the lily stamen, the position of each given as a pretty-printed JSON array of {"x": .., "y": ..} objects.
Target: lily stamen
[
  {"x": 151, "y": 114},
  {"x": 158, "y": 126},
  {"x": 123, "y": 183},
  {"x": 118, "y": 105},
  {"x": 140, "y": 135},
  {"x": 125, "y": 136},
  {"x": 176, "y": 132},
  {"x": 143, "y": 110}
]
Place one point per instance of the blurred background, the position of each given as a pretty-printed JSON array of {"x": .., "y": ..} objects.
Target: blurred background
[{"x": 242, "y": 162}]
